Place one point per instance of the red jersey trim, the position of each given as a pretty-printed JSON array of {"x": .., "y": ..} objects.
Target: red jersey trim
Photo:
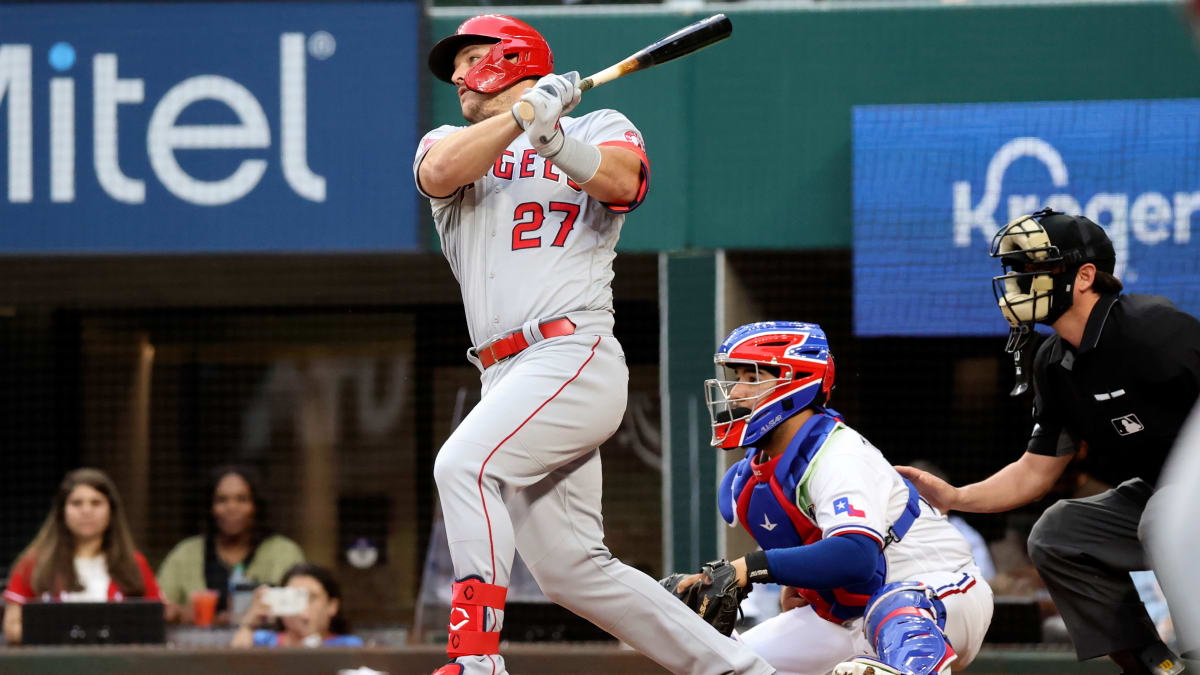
[
  {"x": 856, "y": 529},
  {"x": 643, "y": 189}
]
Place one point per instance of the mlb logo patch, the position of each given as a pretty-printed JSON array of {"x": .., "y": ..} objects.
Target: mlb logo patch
[{"x": 1127, "y": 424}]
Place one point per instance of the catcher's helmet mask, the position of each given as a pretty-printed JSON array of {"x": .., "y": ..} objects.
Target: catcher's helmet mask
[
  {"x": 518, "y": 52},
  {"x": 729, "y": 409},
  {"x": 792, "y": 370},
  {"x": 1041, "y": 254}
]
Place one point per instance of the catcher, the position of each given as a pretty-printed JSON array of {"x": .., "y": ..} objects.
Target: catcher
[{"x": 876, "y": 580}]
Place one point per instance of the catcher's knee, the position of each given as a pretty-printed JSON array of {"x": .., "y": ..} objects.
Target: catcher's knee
[{"x": 904, "y": 622}]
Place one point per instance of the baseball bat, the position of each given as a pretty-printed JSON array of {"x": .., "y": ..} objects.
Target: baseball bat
[{"x": 682, "y": 42}]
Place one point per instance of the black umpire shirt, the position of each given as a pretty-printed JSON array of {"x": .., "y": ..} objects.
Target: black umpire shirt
[{"x": 1126, "y": 390}]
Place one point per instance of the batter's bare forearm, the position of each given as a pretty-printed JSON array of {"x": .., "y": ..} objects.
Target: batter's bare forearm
[
  {"x": 619, "y": 177},
  {"x": 465, "y": 155},
  {"x": 1025, "y": 480}
]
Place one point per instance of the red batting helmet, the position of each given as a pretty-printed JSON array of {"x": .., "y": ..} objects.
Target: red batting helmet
[{"x": 494, "y": 71}]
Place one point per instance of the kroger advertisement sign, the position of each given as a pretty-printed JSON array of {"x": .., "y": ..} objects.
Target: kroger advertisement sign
[
  {"x": 212, "y": 127},
  {"x": 933, "y": 183}
]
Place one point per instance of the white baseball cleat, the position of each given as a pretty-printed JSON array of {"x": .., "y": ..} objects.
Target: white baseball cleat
[{"x": 865, "y": 665}]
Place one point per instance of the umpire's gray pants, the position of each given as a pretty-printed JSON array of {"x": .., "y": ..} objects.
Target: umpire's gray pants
[{"x": 1084, "y": 550}]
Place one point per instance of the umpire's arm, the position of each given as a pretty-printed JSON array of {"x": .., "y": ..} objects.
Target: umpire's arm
[{"x": 1025, "y": 480}]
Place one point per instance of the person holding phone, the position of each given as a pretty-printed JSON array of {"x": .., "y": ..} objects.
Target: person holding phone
[{"x": 306, "y": 610}]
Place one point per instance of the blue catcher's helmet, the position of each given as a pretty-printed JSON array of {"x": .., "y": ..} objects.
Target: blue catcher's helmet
[{"x": 793, "y": 370}]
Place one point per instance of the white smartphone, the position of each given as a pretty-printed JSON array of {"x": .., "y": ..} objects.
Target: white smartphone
[{"x": 286, "y": 601}]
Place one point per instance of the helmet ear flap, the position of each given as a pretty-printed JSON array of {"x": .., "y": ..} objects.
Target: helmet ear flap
[{"x": 827, "y": 380}]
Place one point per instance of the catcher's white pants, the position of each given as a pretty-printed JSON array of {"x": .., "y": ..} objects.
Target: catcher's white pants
[
  {"x": 798, "y": 642},
  {"x": 522, "y": 471}
]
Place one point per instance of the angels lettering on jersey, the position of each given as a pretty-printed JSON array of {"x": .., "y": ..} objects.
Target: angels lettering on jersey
[
  {"x": 520, "y": 161},
  {"x": 530, "y": 165}
]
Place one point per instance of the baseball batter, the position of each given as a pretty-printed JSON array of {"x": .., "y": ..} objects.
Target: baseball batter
[
  {"x": 871, "y": 568},
  {"x": 529, "y": 215}
]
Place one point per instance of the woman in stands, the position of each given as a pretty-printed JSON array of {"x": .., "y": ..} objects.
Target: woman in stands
[
  {"x": 236, "y": 548},
  {"x": 314, "y": 622},
  {"x": 83, "y": 553}
]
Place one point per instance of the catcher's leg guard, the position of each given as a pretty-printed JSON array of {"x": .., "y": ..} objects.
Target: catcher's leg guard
[
  {"x": 468, "y": 618},
  {"x": 450, "y": 669},
  {"x": 904, "y": 622}
]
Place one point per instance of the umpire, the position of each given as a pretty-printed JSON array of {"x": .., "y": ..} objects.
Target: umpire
[{"x": 1120, "y": 373}]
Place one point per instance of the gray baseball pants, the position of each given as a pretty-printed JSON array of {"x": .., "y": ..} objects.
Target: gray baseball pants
[{"x": 522, "y": 472}]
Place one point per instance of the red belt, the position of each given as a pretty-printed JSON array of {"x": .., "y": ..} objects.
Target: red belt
[{"x": 514, "y": 343}]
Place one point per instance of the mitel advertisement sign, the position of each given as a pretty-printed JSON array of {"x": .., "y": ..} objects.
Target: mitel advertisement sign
[{"x": 208, "y": 127}]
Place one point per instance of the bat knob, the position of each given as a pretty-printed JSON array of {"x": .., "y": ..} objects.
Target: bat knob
[{"x": 525, "y": 111}]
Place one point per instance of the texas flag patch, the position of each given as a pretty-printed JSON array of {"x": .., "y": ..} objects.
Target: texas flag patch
[{"x": 843, "y": 505}]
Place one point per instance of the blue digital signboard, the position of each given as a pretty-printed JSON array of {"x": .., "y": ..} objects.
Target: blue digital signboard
[
  {"x": 933, "y": 183},
  {"x": 208, "y": 127}
]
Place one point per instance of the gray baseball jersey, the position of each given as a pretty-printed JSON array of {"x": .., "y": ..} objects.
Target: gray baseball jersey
[
  {"x": 521, "y": 473},
  {"x": 524, "y": 241}
]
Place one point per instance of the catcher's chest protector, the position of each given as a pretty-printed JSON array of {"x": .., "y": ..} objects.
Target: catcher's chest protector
[{"x": 764, "y": 499}]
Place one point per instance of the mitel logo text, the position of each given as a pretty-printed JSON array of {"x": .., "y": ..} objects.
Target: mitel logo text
[
  {"x": 164, "y": 134},
  {"x": 1150, "y": 217}
]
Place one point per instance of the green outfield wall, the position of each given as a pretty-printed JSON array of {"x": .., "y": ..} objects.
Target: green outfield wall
[{"x": 750, "y": 139}]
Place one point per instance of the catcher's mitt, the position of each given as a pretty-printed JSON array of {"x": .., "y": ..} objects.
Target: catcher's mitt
[{"x": 715, "y": 597}]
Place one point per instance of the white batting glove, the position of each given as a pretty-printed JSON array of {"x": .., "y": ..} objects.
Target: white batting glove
[{"x": 551, "y": 97}]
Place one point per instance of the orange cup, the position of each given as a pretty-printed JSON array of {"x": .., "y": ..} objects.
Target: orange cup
[{"x": 204, "y": 606}]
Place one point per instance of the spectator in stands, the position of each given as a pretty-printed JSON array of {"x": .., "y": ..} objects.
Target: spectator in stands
[
  {"x": 83, "y": 553},
  {"x": 320, "y": 623},
  {"x": 236, "y": 547}
]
